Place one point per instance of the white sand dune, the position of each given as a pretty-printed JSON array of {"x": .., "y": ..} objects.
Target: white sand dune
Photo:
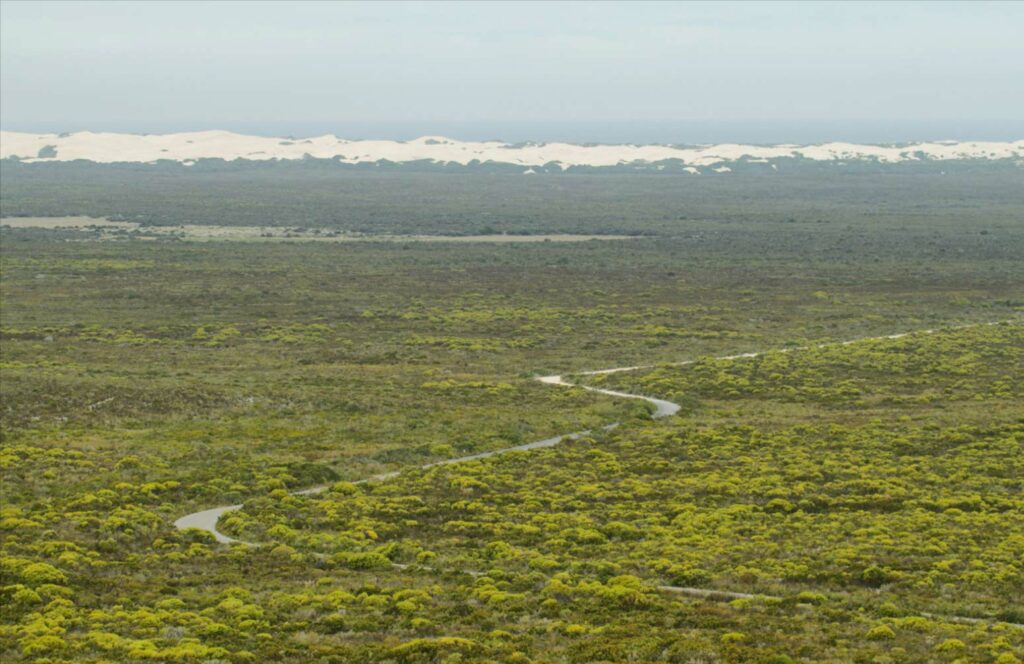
[{"x": 188, "y": 147}]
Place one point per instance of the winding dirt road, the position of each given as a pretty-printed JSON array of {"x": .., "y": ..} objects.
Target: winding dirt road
[{"x": 207, "y": 519}]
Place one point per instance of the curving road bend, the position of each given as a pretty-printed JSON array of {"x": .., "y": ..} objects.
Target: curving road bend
[{"x": 207, "y": 519}]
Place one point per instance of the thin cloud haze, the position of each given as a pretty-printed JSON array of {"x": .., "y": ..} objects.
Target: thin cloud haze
[{"x": 579, "y": 71}]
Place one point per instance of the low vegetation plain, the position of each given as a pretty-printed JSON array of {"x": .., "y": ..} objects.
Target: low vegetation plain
[{"x": 821, "y": 501}]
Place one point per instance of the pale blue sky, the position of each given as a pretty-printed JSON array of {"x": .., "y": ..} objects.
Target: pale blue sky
[{"x": 765, "y": 71}]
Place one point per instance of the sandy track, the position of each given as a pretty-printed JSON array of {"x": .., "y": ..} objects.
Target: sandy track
[{"x": 207, "y": 519}]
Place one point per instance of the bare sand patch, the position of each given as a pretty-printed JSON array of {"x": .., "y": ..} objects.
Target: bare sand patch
[
  {"x": 186, "y": 148},
  {"x": 65, "y": 222},
  {"x": 109, "y": 230}
]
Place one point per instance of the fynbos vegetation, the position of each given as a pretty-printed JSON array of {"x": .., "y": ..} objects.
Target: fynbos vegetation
[{"x": 844, "y": 502}]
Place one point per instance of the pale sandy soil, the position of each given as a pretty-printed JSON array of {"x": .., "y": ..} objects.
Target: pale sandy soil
[
  {"x": 64, "y": 222},
  {"x": 188, "y": 147},
  {"x": 111, "y": 229}
]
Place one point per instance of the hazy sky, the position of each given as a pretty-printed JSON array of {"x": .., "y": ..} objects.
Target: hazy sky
[{"x": 584, "y": 71}]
